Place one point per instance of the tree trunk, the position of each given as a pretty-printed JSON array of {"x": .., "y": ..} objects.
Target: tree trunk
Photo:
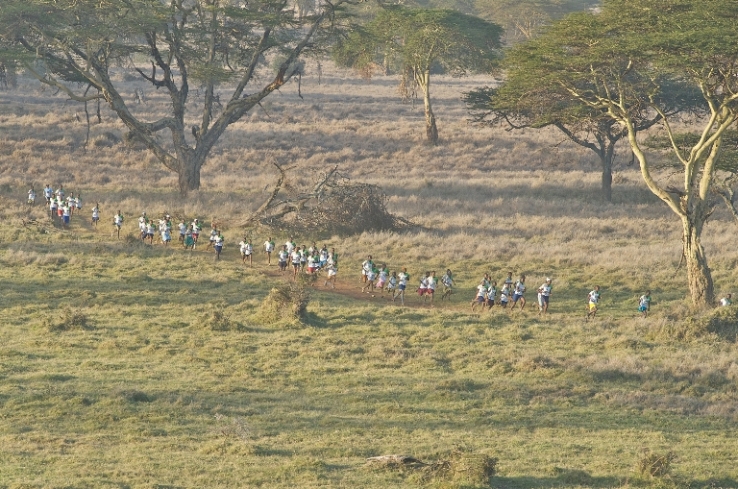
[
  {"x": 189, "y": 173},
  {"x": 431, "y": 131},
  {"x": 701, "y": 288},
  {"x": 606, "y": 158}
]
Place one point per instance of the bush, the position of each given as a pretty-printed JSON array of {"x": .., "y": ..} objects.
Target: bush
[
  {"x": 653, "y": 464},
  {"x": 721, "y": 322},
  {"x": 218, "y": 320},
  {"x": 288, "y": 302},
  {"x": 69, "y": 319}
]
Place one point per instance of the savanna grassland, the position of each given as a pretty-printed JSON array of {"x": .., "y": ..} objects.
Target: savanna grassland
[{"x": 129, "y": 365}]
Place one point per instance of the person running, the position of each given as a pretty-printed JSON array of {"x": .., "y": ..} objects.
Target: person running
[
  {"x": 218, "y": 244},
  {"x": 392, "y": 284},
  {"x": 593, "y": 298},
  {"x": 72, "y": 203},
  {"x": 118, "y": 223},
  {"x": 448, "y": 284},
  {"x": 78, "y": 202},
  {"x": 166, "y": 232},
  {"x": 48, "y": 193},
  {"x": 481, "y": 295},
  {"x": 211, "y": 240},
  {"x": 188, "y": 241},
  {"x": 491, "y": 295},
  {"x": 505, "y": 295},
  {"x": 196, "y": 228},
  {"x": 509, "y": 281},
  {"x": 423, "y": 286},
  {"x": 313, "y": 262},
  {"x": 519, "y": 294},
  {"x": 644, "y": 304},
  {"x": 366, "y": 267},
  {"x": 544, "y": 294},
  {"x": 296, "y": 256},
  {"x": 331, "y": 272},
  {"x": 291, "y": 245},
  {"x": 370, "y": 277},
  {"x": 402, "y": 279},
  {"x": 66, "y": 214},
  {"x": 31, "y": 197},
  {"x": 95, "y": 215},
  {"x": 726, "y": 301},
  {"x": 282, "y": 257},
  {"x": 60, "y": 193},
  {"x": 182, "y": 230},
  {"x": 431, "y": 283},
  {"x": 382, "y": 278},
  {"x": 246, "y": 251},
  {"x": 53, "y": 205},
  {"x": 150, "y": 232},
  {"x": 323, "y": 255},
  {"x": 269, "y": 248}
]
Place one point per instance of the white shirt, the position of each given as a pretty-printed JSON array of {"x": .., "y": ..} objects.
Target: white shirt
[
  {"x": 594, "y": 297},
  {"x": 95, "y": 213},
  {"x": 402, "y": 276},
  {"x": 491, "y": 293},
  {"x": 290, "y": 246},
  {"x": 268, "y": 246},
  {"x": 545, "y": 289},
  {"x": 295, "y": 257},
  {"x": 283, "y": 255},
  {"x": 481, "y": 290},
  {"x": 519, "y": 288},
  {"x": 246, "y": 247},
  {"x": 118, "y": 220}
]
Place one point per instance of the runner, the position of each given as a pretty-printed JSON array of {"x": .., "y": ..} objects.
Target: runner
[
  {"x": 211, "y": 240},
  {"x": 218, "y": 244},
  {"x": 491, "y": 295},
  {"x": 423, "y": 286},
  {"x": 117, "y": 223},
  {"x": 644, "y": 304},
  {"x": 196, "y": 228},
  {"x": 366, "y": 267},
  {"x": 246, "y": 251},
  {"x": 66, "y": 214},
  {"x": 544, "y": 293},
  {"x": 31, "y": 197},
  {"x": 72, "y": 203},
  {"x": 726, "y": 301},
  {"x": 269, "y": 248},
  {"x": 282, "y": 258},
  {"x": 505, "y": 295},
  {"x": 95, "y": 215},
  {"x": 331, "y": 271},
  {"x": 295, "y": 255},
  {"x": 518, "y": 294},
  {"x": 382, "y": 278},
  {"x": 150, "y": 232},
  {"x": 188, "y": 241},
  {"x": 48, "y": 193},
  {"x": 402, "y": 279},
  {"x": 166, "y": 232},
  {"x": 481, "y": 295},
  {"x": 323, "y": 255},
  {"x": 370, "y": 277},
  {"x": 53, "y": 205},
  {"x": 431, "y": 284},
  {"x": 392, "y": 284},
  {"x": 182, "y": 231},
  {"x": 291, "y": 245},
  {"x": 448, "y": 283},
  {"x": 594, "y": 299}
]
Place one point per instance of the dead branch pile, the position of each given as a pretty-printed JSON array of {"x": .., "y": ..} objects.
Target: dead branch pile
[{"x": 335, "y": 204}]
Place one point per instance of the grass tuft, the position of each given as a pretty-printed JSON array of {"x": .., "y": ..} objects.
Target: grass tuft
[
  {"x": 70, "y": 319},
  {"x": 654, "y": 464}
]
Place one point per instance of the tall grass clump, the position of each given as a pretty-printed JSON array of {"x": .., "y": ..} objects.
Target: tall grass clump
[
  {"x": 654, "y": 464},
  {"x": 68, "y": 320},
  {"x": 288, "y": 302}
]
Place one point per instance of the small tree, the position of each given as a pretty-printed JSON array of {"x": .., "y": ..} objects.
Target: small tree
[
  {"x": 624, "y": 58},
  {"x": 420, "y": 40},
  {"x": 174, "y": 45}
]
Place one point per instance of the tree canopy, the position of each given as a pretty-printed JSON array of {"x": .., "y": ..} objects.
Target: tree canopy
[
  {"x": 174, "y": 45},
  {"x": 418, "y": 41}
]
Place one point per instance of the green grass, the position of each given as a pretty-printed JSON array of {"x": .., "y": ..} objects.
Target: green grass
[{"x": 149, "y": 393}]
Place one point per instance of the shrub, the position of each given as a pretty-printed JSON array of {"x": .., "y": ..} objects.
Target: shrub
[
  {"x": 218, "y": 320},
  {"x": 654, "y": 464},
  {"x": 288, "y": 302},
  {"x": 69, "y": 319}
]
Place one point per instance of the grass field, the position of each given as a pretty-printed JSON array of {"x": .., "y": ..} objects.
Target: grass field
[{"x": 126, "y": 365}]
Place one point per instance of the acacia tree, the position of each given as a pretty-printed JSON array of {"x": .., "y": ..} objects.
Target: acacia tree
[
  {"x": 174, "y": 45},
  {"x": 521, "y": 101},
  {"x": 420, "y": 40},
  {"x": 631, "y": 50}
]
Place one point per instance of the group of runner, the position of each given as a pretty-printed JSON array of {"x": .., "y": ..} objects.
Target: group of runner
[
  {"x": 60, "y": 205},
  {"x": 313, "y": 259}
]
